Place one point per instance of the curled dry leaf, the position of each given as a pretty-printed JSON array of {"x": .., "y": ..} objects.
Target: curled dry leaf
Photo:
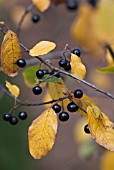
[
  {"x": 10, "y": 53},
  {"x": 42, "y": 48},
  {"x": 42, "y": 5},
  {"x": 13, "y": 89},
  {"x": 42, "y": 133},
  {"x": 101, "y": 128},
  {"x": 77, "y": 68}
]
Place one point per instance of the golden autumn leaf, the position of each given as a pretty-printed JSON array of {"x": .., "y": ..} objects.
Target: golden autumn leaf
[
  {"x": 10, "y": 53},
  {"x": 13, "y": 89},
  {"x": 42, "y": 48},
  {"x": 56, "y": 90},
  {"x": 42, "y": 133},
  {"x": 107, "y": 161},
  {"x": 101, "y": 128},
  {"x": 84, "y": 102},
  {"x": 42, "y": 5},
  {"x": 93, "y": 28},
  {"x": 77, "y": 68}
]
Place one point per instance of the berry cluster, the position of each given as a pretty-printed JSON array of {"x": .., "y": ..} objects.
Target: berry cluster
[
  {"x": 40, "y": 74},
  {"x": 64, "y": 63},
  {"x": 12, "y": 119},
  {"x": 71, "y": 107}
]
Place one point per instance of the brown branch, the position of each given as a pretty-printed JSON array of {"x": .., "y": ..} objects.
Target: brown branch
[{"x": 75, "y": 77}]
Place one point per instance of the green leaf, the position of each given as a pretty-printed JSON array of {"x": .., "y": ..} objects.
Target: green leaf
[
  {"x": 106, "y": 70},
  {"x": 51, "y": 79},
  {"x": 30, "y": 79},
  {"x": 29, "y": 76}
]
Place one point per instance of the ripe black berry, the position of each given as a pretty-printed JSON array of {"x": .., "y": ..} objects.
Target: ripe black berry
[
  {"x": 7, "y": 116},
  {"x": 72, "y": 107},
  {"x": 78, "y": 93},
  {"x": 21, "y": 63},
  {"x": 63, "y": 63},
  {"x": 93, "y": 2},
  {"x": 72, "y": 4},
  {"x": 35, "y": 18},
  {"x": 46, "y": 71},
  {"x": 68, "y": 66},
  {"x": 37, "y": 90},
  {"x": 40, "y": 74},
  {"x": 22, "y": 115},
  {"x": 76, "y": 52},
  {"x": 63, "y": 116},
  {"x": 86, "y": 129},
  {"x": 56, "y": 108},
  {"x": 13, "y": 120},
  {"x": 56, "y": 73}
]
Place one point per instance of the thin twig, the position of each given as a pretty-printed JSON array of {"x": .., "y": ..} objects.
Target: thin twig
[{"x": 29, "y": 8}]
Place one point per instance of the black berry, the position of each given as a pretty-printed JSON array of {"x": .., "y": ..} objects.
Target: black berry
[
  {"x": 35, "y": 18},
  {"x": 76, "y": 52},
  {"x": 86, "y": 129},
  {"x": 78, "y": 93},
  {"x": 72, "y": 4},
  {"x": 7, "y": 116},
  {"x": 40, "y": 74},
  {"x": 72, "y": 107},
  {"x": 56, "y": 108},
  {"x": 68, "y": 66},
  {"x": 21, "y": 63},
  {"x": 37, "y": 90},
  {"x": 63, "y": 63},
  {"x": 56, "y": 73},
  {"x": 22, "y": 115},
  {"x": 63, "y": 116},
  {"x": 13, "y": 120},
  {"x": 46, "y": 71},
  {"x": 93, "y": 2}
]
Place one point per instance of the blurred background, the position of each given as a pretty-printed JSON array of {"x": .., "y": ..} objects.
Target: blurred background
[{"x": 73, "y": 149}]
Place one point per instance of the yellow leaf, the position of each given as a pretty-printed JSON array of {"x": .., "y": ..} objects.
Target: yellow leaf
[
  {"x": 57, "y": 90},
  {"x": 13, "y": 89},
  {"x": 101, "y": 128},
  {"x": 84, "y": 102},
  {"x": 77, "y": 68},
  {"x": 10, "y": 53},
  {"x": 107, "y": 161},
  {"x": 42, "y": 5},
  {"x": 42, "y": 48},
  {"x": 42, "y": 133}
]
